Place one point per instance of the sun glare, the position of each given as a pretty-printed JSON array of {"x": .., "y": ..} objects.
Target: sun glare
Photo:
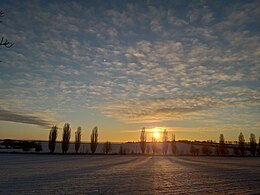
[{"x": 156, "y": 135}]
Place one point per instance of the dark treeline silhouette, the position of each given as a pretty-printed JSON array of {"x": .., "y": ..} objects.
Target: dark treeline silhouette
[
  {"x": 24, "y": 145},
  {"x": 154, "y": 147},
  {"x": 207, "y": 148}
]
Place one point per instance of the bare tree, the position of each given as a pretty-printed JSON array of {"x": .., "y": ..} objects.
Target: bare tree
[
  {"x": 241, "y": 144},
  {"x": 66, "y": 138},
  {"x": 165, "y": 141},
  {"x": 107, "y": 147},
  {"x": 252, "y": 144},
  {"x": 4, "y": 42},
  {"x": 94, "y": 140},
  {"x": 174, "y": 146},
  {"x": 143, "y": 140},
  {"x": 52, "y": 138},
  {"x": 77, "y": 139}
]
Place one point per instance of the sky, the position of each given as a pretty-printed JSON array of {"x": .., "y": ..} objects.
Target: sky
[{"x": 191, "y": 67}]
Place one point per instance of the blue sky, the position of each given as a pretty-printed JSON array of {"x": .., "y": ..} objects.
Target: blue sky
[{"x": 189, "y": 66}]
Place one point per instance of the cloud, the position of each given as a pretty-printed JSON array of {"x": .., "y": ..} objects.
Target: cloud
[
  {"x": 182, "y": 106},
  {"x": 6, "y": 115},
  {"x": 132, "y": 62}
]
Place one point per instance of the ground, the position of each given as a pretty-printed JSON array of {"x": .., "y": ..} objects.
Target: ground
[{"x": 114, "y": 174}]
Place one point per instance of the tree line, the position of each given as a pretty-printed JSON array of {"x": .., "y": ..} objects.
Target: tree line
[
  {"x": 66, "y": 135},
  {"x": 221, "y": 149},
  {"x": 145, "y": 148},
  {"x": 164, "y": 146}
]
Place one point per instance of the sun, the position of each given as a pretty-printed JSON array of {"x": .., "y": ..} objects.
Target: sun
[{"x": 156, "y": 135}]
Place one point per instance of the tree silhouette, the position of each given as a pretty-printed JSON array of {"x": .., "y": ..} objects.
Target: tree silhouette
[
  {"x": 77, "y": 139},
  {"x": 252, "y": 144},
  {"x": 173, "y": 145},
  {"x": 165, "y": 141},
  {"x": 236, "y": 150},
  {"x": 193, "y": 150},
  {"x": 241, "y": 144},
  {"x": 206, "y": 149},
  {"x": 52, "y": 138},
  {"x": 38, "y": 147},
  {"x": 143, "y": 140},
  {"x": 107, "y": 147},
  {"x": 121, "y": 150},
  {"x": 222, "y": 145},
  {"x": 94, "y": 140},
  {"x": 4, "y": 42},
  {"x": 66, "y": 138},
  {"x": 258, "y": 145}
]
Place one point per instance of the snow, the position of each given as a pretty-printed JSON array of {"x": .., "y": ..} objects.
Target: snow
[{"x": 115, "y": 174}]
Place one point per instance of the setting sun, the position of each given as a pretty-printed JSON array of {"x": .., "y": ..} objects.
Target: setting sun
[{"x": 156, "y": 135}]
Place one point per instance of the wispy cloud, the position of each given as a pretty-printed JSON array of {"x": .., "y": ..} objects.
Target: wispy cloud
[
  {"x": 6, "y": 115},
  {"x": 183, "y": 106}
]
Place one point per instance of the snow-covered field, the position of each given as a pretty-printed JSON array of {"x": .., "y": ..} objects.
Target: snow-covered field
[{"x": 115, "y": 174}]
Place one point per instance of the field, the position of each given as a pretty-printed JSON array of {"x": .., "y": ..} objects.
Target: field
[{"x": 114, "y": 174}]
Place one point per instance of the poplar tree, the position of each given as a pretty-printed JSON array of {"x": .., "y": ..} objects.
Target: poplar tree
[
  {"x": 241, "y": 144},
  {"x": 52, "y": 138},
  {"x": 173, "y": 145},
  {"x": 143, "y": 140},
  {"x": 252, "y": 144},
  {"x": 77, "y": 139},
  {"x": 94, "y": 140},
  {"x": 66, "y": 138},
  {"x": 165, "y": 141},
  {"x": 222, "y": 145}
]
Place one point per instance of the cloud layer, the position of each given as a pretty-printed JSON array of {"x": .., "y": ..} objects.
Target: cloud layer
[
  {"x": 136, "y": 62},
  {"x": 6, "y": 115}
]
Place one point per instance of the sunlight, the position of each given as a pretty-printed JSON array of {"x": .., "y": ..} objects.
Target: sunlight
[{"x": 156, "y": 135}]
